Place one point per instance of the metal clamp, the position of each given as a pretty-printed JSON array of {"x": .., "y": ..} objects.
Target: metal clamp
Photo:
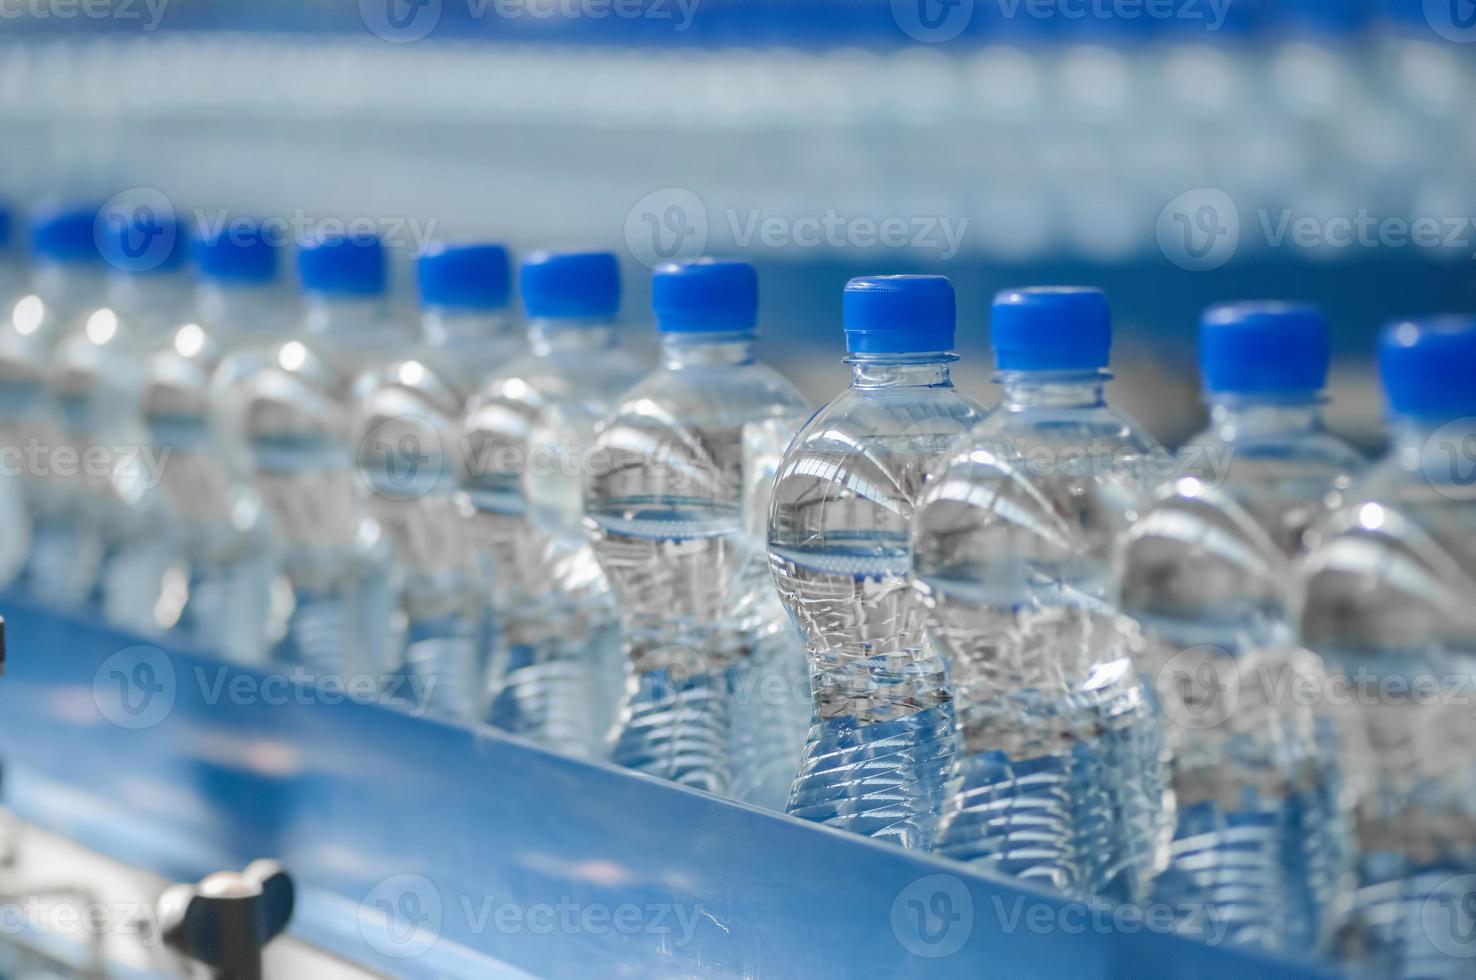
[{"x": 226, "y": 920}]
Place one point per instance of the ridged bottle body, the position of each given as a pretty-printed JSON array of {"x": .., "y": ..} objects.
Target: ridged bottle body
[
  {"x": 1206, "y": 571},
  {"x": 31, "y": 427},
  {"x": 290, "y": 407},
  {"x": 412, "y": 454},
  {"x": 213, "y": 585},
  {"x": 1059, "y": 777},
  {"x": 1385, "y": 597},
  {"x": 670, "y": 514},
  {"x": 116, "y": 534},
  {"x": 881, "y": 739},
  {"x": 529, "y": 431}
]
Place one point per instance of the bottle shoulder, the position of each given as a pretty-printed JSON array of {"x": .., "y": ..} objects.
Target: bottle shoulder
[
  {"x": 1094, "y": 428},
  {"x": 704, "y": 396},
  {"x": 865, "y": 417}
]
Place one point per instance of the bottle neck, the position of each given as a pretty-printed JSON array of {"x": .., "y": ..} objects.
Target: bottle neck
[
  {"x": 1433, "y": 448},
  {"x": 1022, "y": 390},
  {"x": 242, "y": 310},
  {"x": 928, "y": 369},
  {"x": 67, "y": 287},
  {"x": 1234, "y": 417},
  {"x": 549, "y": 336},
  {"x": 460, "y": 329},
  {"x": 685, "y": 350},
  {"x": 157, "y": 302},
  {"x": 352, "y": 320}
]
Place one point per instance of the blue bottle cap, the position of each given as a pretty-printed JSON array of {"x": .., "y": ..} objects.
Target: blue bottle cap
[
  {"x": 64, "y": 233},
  {"x": 1428, "y": 365},
  {"x": 705, "y": 296},
  {"x": 240, "y": 252},
  {"x": 1263, "y": 348},
  {"x": 898, "y": 314},
  {"x": 464, "y": 277},
  {"x": 571, "y": 285},
  {"x": 1051, "y": 328},
  {"x": 344, "y": 265},
  {"x": 139, "y": 241}
]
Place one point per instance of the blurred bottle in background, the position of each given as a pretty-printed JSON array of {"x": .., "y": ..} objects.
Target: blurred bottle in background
[
  {"x": 882, "y": 737},
  {"x": 529, "y": 430},
  {"x": 665, "y": 501},
  {"x": 215, "y": 583},
  {"x": 119, "y": 537},
  {"x": 290, "y": 405},
  {"x": 408, "y": 426},
  {"x": 15, "y": 544},
  {"x": 1384, "y": 594},
  {"x": 1059, "y": 778},
  {"x": 66, "y": 281},
  {"x": 1206, "y": 571}
]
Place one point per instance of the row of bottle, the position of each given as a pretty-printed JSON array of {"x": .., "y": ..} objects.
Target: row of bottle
[
  {"x": 355, "y": 494},
  {"x": 998, "y": 637},
  {"x": 1230, "y": 683}
]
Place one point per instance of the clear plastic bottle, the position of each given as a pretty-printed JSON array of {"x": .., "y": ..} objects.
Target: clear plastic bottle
[
  {"x": 1206, "y": 571},
  {"x": 66, "y": 282},
  {"x": 1385, "y": 596},
  {"x": 290, "y": 404},
  {"x": 1058, "y": 778},
  {"x": 669, "y": 507},
  {"x": 528, "y": 432},
  {"x": 882, "y": 736},
  {"x": 411, "y": 452},
  {"x": 214, "y": 584},
  {"x": 119, "y": 535}
]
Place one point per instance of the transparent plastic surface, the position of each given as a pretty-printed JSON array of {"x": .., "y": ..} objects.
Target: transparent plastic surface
[
  {"x": 290, "y": 406},
  {"x": 1206, "y": 572},
  {"x": 555, "y": 675},
  {"x": 1059, "y": 777},
  {"x": 411, "y": 452},
  {"x": 1384, "y": 595},
  {"x": 670, "y": 516},
  {"x": 110, "y": 535},
  {"x": 882, "y": 734}
]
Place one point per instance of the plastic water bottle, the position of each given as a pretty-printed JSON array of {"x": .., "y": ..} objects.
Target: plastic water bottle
[
  {"x": 212, "y": 581},
  {"x": 882, "y": 736},
  {"x": 1206, "y": 571},
  {"x": 1058, "y": 778},
  {"x": 97, "y": 379},
  {"x": 291, "y": 405},
  {"x": 1385, "y": 596},
  {"x": 669, "y": 511},
  {"x": 66, "y": 281},
  {"x": 411, "y": 452},
  {"x": 529, "y": 429}
]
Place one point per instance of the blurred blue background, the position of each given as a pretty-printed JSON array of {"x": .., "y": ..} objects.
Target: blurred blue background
[{"x": 1175, "y": 152}]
